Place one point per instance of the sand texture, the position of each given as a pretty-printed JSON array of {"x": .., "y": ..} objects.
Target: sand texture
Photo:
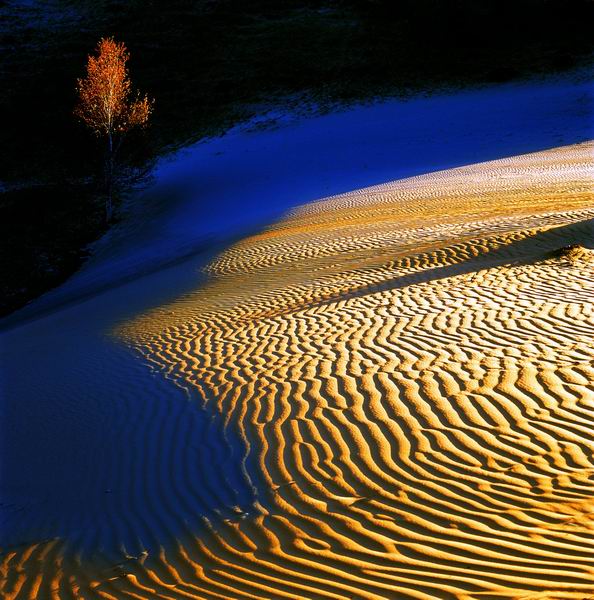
[{"x": 409, "y": 371}]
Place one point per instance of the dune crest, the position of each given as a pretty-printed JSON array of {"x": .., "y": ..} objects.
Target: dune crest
[{"x": 410, "y": 369}]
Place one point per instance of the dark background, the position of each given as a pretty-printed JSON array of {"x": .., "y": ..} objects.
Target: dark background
[{"x": 211, "y": 63}]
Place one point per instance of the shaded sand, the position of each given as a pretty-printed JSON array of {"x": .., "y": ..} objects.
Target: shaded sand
[{"x": 409, "y": 371}]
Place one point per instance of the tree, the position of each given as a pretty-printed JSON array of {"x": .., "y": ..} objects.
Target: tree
[{"x": 106, "y": 106}]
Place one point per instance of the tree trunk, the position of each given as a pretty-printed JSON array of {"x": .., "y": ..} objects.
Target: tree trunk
[{"x": 109, "y": 179}]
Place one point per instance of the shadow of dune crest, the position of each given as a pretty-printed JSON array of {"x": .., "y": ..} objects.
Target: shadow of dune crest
[
  {"x": 499, "y": 251},
  {"x": 515, "y": 248}
]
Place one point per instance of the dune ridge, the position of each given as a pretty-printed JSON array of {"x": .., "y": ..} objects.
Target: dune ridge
[{"x": 409, "y": 368}]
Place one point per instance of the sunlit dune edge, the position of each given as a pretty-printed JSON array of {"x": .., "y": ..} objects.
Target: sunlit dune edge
[{"x": 410, "y": 370}]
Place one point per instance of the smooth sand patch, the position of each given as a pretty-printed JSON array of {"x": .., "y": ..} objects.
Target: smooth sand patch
[{"x": 409, "y": 368}]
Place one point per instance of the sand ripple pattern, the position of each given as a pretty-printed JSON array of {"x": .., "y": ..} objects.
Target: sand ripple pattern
[{"x": 410, "y": 368}]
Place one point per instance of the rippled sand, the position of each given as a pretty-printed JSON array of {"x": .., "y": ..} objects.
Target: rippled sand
[{"x": 410, "y": 369}]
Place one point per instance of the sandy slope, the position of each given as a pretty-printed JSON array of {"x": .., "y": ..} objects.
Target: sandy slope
[
  {"x": 408, "y": 369},
  {"x": 222, "y": 188}
]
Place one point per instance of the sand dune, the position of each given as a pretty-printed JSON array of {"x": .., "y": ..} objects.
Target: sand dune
[
  {"x": 409, "y": 371},
  {"x": 220, "y": 189}
]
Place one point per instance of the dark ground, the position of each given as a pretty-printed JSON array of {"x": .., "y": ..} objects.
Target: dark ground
[{"x": 210, "y": 63}]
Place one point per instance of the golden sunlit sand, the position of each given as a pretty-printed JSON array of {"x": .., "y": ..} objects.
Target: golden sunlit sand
[{"x": 410, "y": 370}]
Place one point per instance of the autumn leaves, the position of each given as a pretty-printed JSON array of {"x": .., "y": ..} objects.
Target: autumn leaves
[{"x": 108, "y": 107}]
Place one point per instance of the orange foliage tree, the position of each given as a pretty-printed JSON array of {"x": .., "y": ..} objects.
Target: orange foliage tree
[{"x": 106, "y": 104}]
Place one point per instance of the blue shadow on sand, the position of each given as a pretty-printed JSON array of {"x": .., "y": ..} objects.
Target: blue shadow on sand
[{"x": 110, "y": 456}]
